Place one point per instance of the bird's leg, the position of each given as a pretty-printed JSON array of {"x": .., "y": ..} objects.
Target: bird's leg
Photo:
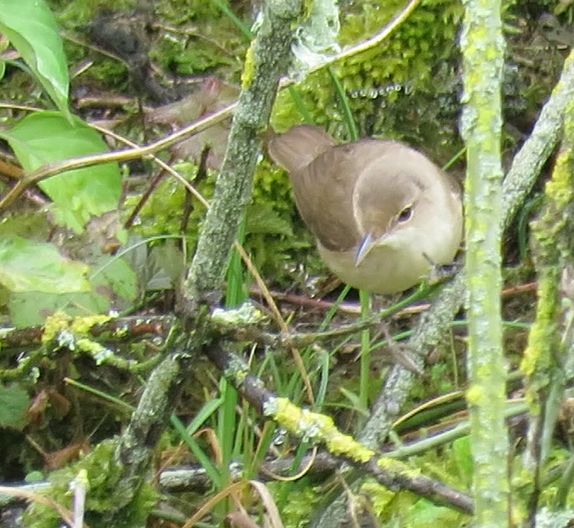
[
  {"x": 441, "y": 272},
  {"x": 382, "y": 301}
]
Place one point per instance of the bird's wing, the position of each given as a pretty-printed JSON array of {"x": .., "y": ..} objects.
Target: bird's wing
[
  {"x": 299, "y": 146},
  {"x": 324, "y": 194}
]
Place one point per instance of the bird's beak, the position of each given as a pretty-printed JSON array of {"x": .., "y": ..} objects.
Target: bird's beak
[{"x": 365, "y": 248}]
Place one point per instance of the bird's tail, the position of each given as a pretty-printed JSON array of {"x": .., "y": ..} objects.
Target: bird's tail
[{"x": 298, "y": 147}]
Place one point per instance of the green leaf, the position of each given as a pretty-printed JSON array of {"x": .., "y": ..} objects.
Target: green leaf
[
  {"x": 463, "y": 457},
  {"x": 425, "y": 513},
  {"x": 14, "y": 402},
  {"x": 116, "y": 275},
  {"x": 113, "y": 287},
  {"x": 46, "y": 137},
  {"x": 27, "y": 265},
  {"x": 33, "y": 31}
]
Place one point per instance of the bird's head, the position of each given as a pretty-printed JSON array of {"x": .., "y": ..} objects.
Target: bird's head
[{"x": 389, "y": 204}]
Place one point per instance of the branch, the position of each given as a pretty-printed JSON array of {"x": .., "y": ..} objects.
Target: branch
[
  {"x": 266, "y": 61},
  {"x": 320, "y": 429},
  {"x": 483, "y": 56},
  {"x": 547, "y": 363}
]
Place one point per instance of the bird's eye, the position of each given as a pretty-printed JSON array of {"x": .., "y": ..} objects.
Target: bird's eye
[{"x": 405, "y": 215}]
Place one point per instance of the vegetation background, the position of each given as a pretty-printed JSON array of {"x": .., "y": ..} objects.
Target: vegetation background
[{"x": 72, "y": 252}]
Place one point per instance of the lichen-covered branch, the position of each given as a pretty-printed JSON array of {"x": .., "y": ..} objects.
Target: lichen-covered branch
[
  {"x": 320, "y": 429},
  {"x": 546, "y": 363},
  {"x": 483, "y": 52},
  {"x": 266, "y": 61}
]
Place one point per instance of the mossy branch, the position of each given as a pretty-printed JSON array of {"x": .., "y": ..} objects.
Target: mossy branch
[
  {"x": 547, "y": 362},
  {"x": 266, "y": 61}
]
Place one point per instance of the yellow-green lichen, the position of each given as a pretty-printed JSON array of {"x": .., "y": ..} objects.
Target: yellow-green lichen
[
  {"x": 238, "y": 371},
  {"x": 474, "y": 395},
  {"x": 60, "y": 323},
  {"x": 122, "y": 331},
  {"x": 82, "y": 325},
  {"x": 315, "y": 427},
  {"x": 246, "y": 314},
  {"x": 248, "y": 67},
  {"x": 54, "y": 325},
  {"x": 99, "y": 353}
]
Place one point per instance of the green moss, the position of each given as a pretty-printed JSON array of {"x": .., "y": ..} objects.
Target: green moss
[
  {"x": 392, "y": 87},
  {"x": 301, "y": 505},
  {"x": 103, "y": 473}
]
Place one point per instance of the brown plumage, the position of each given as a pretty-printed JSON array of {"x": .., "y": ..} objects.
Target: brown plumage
[{"x": 381, "y": 211}]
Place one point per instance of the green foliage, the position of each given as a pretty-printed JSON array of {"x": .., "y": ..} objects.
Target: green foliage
[
  {"x": 184, "y": 58},
  {"x": 389, "y": 86},
  {"x": 112, "y": 286},
  {"x": 35, "y": 279},
  {"x": 217, "y": 44},
  {"x": 451, "y": 465},
  {"x": 32, "y": 30},
  {"x": 14, "y": 402},
  {"x": 46, "y": 137},
  {"x": 298, "y": 510},
  {"x": 28, "y": 266},
  {"x": 104, "y": 473}
]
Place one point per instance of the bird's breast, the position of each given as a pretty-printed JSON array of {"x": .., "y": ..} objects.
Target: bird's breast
[{"x": 384, "y": 269}]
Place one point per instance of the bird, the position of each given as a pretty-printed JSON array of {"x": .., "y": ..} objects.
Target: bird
[{"x": 382, "y": 213}]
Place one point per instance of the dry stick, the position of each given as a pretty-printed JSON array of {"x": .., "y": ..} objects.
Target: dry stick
[
  {"x": 146, "y": 195},
  {"x": 518, "y": 183}
]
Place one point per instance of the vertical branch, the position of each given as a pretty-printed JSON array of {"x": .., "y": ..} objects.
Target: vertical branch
[
  {"x": 483, "y": 51},
  {"x": 546, "y": 364},
  {"x": 266, "y": 61}
]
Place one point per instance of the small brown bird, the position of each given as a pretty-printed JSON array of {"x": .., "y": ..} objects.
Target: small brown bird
[{"x": 382, "y": 213}]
